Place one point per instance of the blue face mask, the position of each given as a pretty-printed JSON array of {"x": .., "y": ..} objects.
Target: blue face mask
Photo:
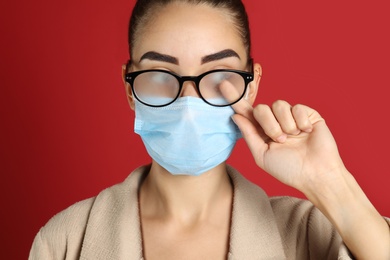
[{"x": 187, "y": 137}]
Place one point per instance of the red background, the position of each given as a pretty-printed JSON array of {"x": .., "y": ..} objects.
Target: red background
[{"x": 67, "y": 132}]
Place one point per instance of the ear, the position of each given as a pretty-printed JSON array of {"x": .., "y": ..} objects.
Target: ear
[
  {"x": 129, "y": 93},
  {"x": 254, "y": 85}
]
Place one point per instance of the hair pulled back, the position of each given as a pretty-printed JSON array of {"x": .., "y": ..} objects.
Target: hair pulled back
[{"x": 144, "y": 10}]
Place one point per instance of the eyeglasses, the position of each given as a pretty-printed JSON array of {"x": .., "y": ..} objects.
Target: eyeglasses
[{"x": 158, "y": 88}]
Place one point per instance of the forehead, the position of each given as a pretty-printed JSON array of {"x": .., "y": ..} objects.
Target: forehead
[{"x": 188, "y": 31}]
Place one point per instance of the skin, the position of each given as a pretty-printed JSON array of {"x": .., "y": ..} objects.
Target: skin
[{"x": 186, "y": 217}]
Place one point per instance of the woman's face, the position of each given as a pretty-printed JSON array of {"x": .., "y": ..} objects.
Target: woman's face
[{"x": 188, "y": 40}]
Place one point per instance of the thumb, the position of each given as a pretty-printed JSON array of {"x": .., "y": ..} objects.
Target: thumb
[{"x": 252, "y": 137}]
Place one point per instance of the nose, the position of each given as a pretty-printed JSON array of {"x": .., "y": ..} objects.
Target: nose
[{"x": 189, "y": 90}]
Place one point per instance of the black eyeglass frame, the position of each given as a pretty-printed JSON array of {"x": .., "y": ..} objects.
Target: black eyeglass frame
[{"x": 247, "y": 76}]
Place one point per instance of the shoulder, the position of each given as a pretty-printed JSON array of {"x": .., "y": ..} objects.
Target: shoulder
[
  {"x": 301, "y": 212},
  {"x": 64, "y": 234},
  {"x": 295, "y": 215},
  {"x": 304, "y": 226},
  {"x": 70, "y": 219},
  {"x": 291, "y": 205},
  {"x": 64, "y": 230},
  {"x": 76, "y": 217}
]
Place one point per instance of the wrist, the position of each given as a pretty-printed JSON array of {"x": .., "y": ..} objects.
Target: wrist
[
  {"x": 346, "y": 206},
  {"x": 336, "y": 194},
  {"x": 328, "y": 187}
]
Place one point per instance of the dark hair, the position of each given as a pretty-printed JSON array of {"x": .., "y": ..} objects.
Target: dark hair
[{"x": 144, "y": 9}]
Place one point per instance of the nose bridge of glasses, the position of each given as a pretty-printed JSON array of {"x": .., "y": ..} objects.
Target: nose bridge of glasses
[{"x": 189, "y": 88}]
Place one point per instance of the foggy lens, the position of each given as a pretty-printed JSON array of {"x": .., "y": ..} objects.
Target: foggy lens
[
  {"x": 222, "y": 88},
  {"x": 156, "y": 87}
]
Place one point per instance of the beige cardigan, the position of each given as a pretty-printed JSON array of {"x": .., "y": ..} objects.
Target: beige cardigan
[{"x": 108, "y": 227}]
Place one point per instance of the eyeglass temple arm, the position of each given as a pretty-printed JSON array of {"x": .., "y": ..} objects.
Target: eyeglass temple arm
[{"x": 128, "y": 64}]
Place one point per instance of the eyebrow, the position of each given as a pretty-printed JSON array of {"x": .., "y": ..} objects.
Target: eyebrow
[
  {"x": 152, "y": 55},
  {"x": 220, "y": 55}
]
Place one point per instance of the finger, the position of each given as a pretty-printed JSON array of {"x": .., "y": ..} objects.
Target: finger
[
  {"x": 255, "y": 142},
  {"x": 271, "y": 127},
  {"x": 242, "y": 107},
  {"x": 229, "y": 91},
  {"x": 303, "y": 116},
  {"x": 283, "y": 114}
]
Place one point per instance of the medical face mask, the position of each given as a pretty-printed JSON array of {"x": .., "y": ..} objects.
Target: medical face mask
[{"x": 187, "y": 137}]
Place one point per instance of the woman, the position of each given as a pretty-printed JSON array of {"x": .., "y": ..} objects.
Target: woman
[{"x": 192, "y": 84}]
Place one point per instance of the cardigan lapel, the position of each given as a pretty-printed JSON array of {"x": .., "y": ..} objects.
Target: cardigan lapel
[
  {"x": 114, "y": 229},
  {"x": 254, "y": 233}
]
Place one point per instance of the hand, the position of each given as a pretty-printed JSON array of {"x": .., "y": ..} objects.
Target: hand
[{"x": 292, "y": 143}]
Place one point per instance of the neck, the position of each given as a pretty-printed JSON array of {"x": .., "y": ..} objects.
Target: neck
[{"x": 186, "y": 199}]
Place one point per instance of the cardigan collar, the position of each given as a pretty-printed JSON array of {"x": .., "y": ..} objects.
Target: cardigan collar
[
  {"x": 114, "y": 230},
  {"x": 254, "y": 232}
]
